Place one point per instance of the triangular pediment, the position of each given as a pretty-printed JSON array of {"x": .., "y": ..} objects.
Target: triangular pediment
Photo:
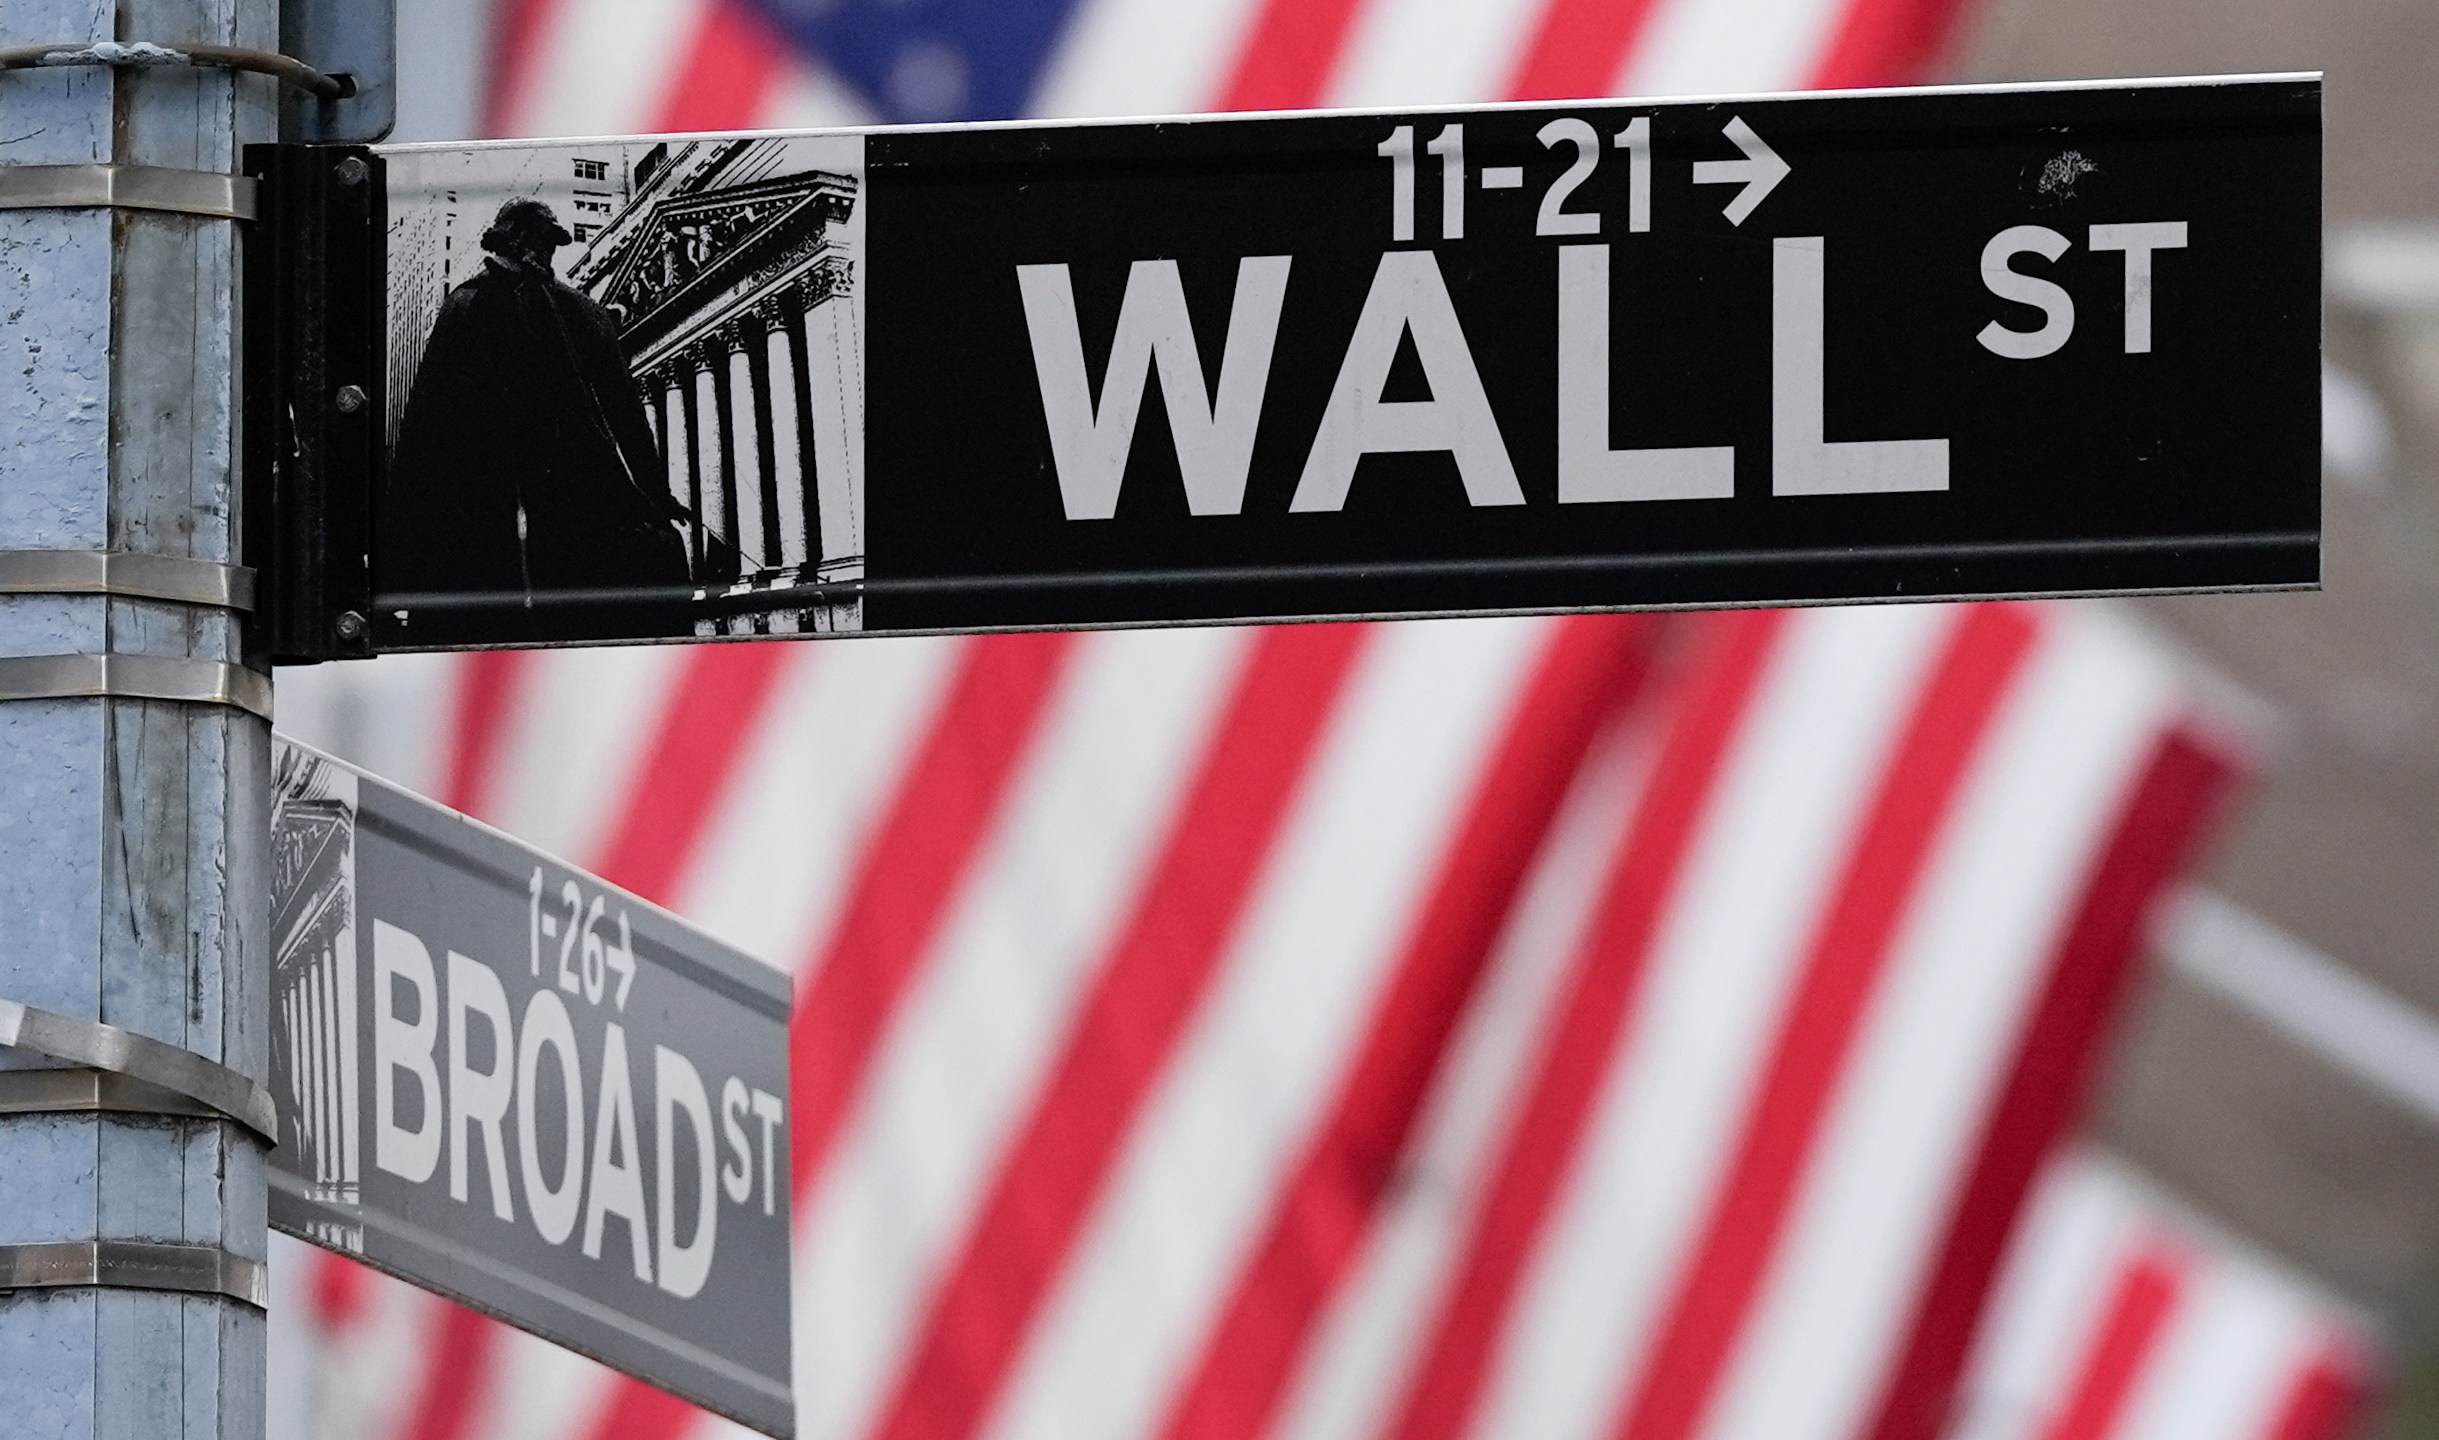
[{"x": 693, "y": 244}]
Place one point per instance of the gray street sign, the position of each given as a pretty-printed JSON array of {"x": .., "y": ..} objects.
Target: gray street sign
[{"x": 508, "y": 1082}]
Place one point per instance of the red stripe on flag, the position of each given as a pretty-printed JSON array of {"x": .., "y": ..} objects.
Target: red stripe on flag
[
  {"x": 636, "y": 1411},
  {"x": 1127, "y": 1028},
  {"x": 338, "y": 1291},
  {"x": 457, "y": 1373},
  {"x": 1579, "y": 48},
  {"x": 2178, "y": 793},
  {"x": 2327, "y": 1398},
  {"x": 1885, "y": 42},
  {"x": 1288, "y": 55},
  {"x": 732, "y": 65},
  {"x": 721, "y": 694},
  {"x": 1325, "y": 1212},
  {"x": 516, "y": 38},
  {"x": 489, "y": 683},
  {"x": 1445, "y": 1384},
  {"x": 1847, "y": 959},
  {"x": 2139, "y": 1305}
]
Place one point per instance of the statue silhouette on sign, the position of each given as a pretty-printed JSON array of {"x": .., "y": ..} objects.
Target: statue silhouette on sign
[{"x": 525, "y": 463}]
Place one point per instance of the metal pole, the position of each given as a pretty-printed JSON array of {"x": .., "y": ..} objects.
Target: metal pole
[{"x": 133, "y": 831}]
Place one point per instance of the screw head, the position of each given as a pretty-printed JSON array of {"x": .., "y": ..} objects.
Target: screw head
[
  {"x": 349, "y": 399},
  {"x": 352, "y": 171},
  {"x": 350, "y": 625}
]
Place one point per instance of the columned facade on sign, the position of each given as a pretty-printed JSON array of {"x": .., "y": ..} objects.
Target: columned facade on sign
[
  {"x": 735, "y": 291},
  {"x": 313, "y": 1002}
]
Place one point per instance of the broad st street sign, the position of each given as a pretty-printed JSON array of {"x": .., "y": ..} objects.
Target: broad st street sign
[
  {"x": 506, "y": 1081},
  {"x": 1586, "y": 355}
]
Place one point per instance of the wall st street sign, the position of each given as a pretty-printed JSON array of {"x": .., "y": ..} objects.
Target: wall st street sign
[
  {"x": 1586, "y": 355},
  {"x": 506, "y": 1081}
]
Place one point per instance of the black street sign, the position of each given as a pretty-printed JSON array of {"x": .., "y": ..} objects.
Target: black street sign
[
  {"x": 1898, "y": 345},
  {"x": 506, "y": 1081}
]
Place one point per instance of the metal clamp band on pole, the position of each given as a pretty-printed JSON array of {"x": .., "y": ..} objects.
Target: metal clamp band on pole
[
  {"x": 135, "y": 1265},
  {"x": 106, "y": 1047},
  {"x": 70, "y": 1092},
  {"x": 127, "y": 187},
  {"x": 122, "y": 572},
  {"x": 144, "y": 54},
  {"x": 134, "y": 677}
]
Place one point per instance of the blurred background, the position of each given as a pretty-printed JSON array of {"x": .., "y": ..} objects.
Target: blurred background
[{"x": 1531, "y": 1165}]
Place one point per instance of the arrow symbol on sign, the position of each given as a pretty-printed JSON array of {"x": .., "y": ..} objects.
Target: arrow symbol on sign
[{"x": 1759, "y": 172}]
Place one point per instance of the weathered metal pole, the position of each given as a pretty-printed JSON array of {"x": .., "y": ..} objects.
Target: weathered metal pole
[{"x": 133, "y": 796}]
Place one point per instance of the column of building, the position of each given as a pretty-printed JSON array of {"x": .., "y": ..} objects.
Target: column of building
[
  {"x": 766, "y": 382},
  {"x": 754, "y": 370},
  {"x": 792, "y": 422},
  {"x": 706, "y": 414},
  {"x": 748, "y": 437},
  {"x": 742, "y": 431},
  {"x": 669, "y": 388}
]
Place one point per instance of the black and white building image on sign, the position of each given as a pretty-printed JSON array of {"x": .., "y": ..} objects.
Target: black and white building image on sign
[
  {"x": 626, "y": 386},
  {"x": 313, "y": 995}
]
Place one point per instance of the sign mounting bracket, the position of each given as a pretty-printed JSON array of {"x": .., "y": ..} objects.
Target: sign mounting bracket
[{"x": 315, "y": 409}]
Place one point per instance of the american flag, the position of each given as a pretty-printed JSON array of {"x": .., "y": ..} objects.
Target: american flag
[
  {"x": 2121, "y": 1317},
  {"x": 1541, "y": 1028}
]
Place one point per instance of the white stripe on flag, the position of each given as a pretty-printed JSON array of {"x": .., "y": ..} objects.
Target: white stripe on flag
[
  {"x": 993, "y": 1001},
  {"x": 1363, "y": 1350},
  {"x": 810, "y": 97},
  {"x": 1129, "y": 57},
  {"x": 2238, "y": 1335},
  {"x": 1702, "y": 47},
  {"x": 1433, "y": 52},
  {"x": 570, "y": 753},
  {"x": 381, "y": 714},
  {"x": 2233, "y": 1346},
  {"x": 1983, "y": 926},
  {"x": 1711, "y": 997},
  {"x": 1200, "y": 1172},
  {"x": 2045, "y": 1303},
  {"x": 539, "y": 1388},
  {"x": 604, "y": 67},
  {"x": 361, "y": 1387},
  {"x": 290, "y": 1329}
]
